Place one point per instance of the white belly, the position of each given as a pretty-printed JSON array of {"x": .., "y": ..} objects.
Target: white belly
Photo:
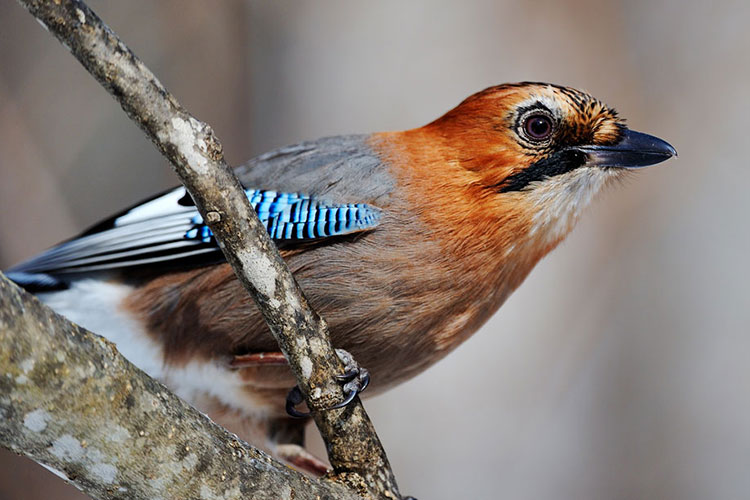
[{"x": 97, "y": 306}]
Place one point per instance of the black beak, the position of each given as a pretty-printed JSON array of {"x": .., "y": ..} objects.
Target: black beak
[{"x": 634, "y": 150}]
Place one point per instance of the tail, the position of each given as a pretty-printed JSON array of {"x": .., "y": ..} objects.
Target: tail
[{"x": 36, "y": 282}]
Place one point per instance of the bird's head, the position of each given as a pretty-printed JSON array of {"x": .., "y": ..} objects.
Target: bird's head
[{"x": 543, "y": 149}]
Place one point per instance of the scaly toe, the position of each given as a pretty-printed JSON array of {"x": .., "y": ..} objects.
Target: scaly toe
[{"x": 355, "y": 379}]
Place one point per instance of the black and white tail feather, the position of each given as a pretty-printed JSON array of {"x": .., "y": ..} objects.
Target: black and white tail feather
[{"x": 169, "y": 229}]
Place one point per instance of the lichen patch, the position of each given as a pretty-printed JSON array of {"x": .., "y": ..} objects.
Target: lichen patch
[
  {"x": 264, "y": 273},
  {"x": 66, "y": 447},
  {"x": 70, "y": 450},
  {"x": 36, "y": 420}
]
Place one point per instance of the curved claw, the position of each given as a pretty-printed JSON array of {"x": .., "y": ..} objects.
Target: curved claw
[
  {"x": 365, "y": 383},
  {"x": 355, "y": 380},
  {"x": 349, "y": 398},
  {"x": 353, "y": 392},
  {"x": 348, "y": 376},
  {"x": 294, "y": 398}
]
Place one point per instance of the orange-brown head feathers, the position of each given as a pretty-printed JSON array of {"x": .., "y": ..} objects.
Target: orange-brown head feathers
[
  {"x": 507, "y": 172},
  {"x": 502, "y": 131}
]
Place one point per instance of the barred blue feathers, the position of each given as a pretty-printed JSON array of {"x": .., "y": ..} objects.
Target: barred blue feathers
[{"x": 295, "y": 216}]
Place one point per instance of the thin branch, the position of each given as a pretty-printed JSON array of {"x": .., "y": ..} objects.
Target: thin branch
[
  {"x": 71, "y": 402},
  {"x": 354, "y": 449}
]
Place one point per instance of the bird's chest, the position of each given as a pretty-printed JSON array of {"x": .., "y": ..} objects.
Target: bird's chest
[{"x": 407, "y": 305}]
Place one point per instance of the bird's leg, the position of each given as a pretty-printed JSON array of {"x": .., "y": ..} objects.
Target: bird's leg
[
  {"x": 355, "y": 379},
  {"x": 288, "y": 436},
  {"x": 258, "y": 359}
]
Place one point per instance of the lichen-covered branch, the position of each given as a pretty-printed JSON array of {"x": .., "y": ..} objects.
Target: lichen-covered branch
[
  {"x": 71, "y": 402},
  {"x": 191, "y": 146}
]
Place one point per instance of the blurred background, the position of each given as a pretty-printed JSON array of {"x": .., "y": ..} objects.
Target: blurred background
[{"x": 619, "y": 370}]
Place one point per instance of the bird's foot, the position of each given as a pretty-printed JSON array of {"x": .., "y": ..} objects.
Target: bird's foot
[
  {"x": 355, "y": 379},
  {"x": 301, "y": 459}
]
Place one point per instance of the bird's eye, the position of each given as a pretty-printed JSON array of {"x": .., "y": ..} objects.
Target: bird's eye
[{"x": 538, "y": 127}]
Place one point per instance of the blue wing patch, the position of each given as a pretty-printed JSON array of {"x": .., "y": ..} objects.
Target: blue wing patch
[
  {"x": 294, "y": 216},
  {"x": 166, "y": 229}
]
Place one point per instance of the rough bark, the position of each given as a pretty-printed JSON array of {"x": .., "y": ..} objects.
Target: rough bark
[
  {"x": 71, "y": 402},
  {"x": 354, "y": 449}
]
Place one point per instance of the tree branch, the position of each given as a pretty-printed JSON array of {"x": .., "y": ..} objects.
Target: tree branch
[
  {"x": 354, "y": 449},
  {"x": 71, "y": 402}
]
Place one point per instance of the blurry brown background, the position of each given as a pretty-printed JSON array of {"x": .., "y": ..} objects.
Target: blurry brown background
[{"x": 619, "y": 370}]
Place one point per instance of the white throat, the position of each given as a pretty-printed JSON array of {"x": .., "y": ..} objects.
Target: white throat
[{"x": 560, "y": 200}]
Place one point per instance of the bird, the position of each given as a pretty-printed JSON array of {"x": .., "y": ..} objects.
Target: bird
[{"x": 405, "y": 242}]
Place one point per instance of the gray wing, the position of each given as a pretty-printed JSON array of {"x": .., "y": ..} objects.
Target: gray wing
[
  {"x": 310, "y": 191},
  {"x": 342, "y": 169}
]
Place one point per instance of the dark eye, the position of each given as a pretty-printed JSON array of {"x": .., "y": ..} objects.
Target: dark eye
[{"x": 538, "y": 127}]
